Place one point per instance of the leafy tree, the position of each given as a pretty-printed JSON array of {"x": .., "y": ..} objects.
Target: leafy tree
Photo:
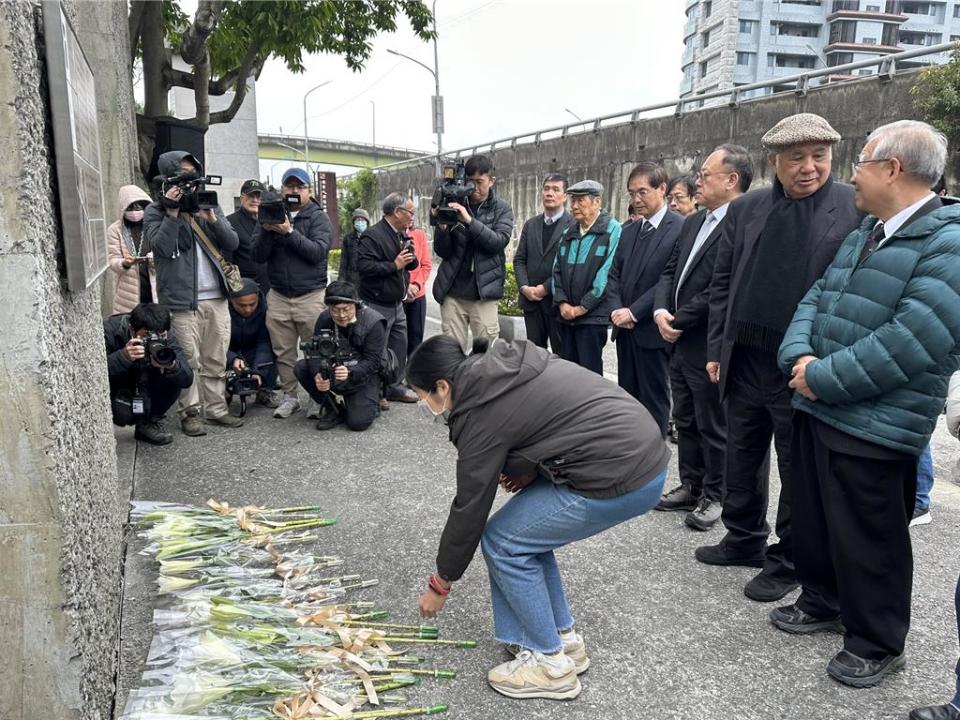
[
  {"x": 228, "y": 42},
  {"x": 360, "y": 191},
  {"x": 936, "y": 96}
]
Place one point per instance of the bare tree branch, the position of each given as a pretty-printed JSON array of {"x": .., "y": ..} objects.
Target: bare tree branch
[
  {"x": 193, "y": 47},
  {"x": 220, "y": 86},
  {"x": 156, "y": 60}
]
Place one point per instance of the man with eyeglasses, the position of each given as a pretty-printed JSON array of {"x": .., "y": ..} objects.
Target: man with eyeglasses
[
  {"x": 473, "y": 265},
  {"x": 349, "y": 393},
  {"x": 775, "y": 243},
  {"x": 870, "y": 350},
  {"x": 385, "y": 257},
  {"x": 296, "y": 255},
  {"x": 645, "y": 249}
]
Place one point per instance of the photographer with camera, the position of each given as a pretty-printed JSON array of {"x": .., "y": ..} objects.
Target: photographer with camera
[
  {"x": 250, "y": 352},
  {"x": 193, "y": 280},
  {"x": 293, "y": 238},
  {"x": 341, "y": 371},
  {"x": 147, "y": 370},
  {"x": 244, "y": 222},
  {"x": 473, "y": 229},
  {"x": 385, "y": 257}
]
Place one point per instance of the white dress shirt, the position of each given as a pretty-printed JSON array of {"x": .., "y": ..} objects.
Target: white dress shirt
[{"x": 891, "y": 226}]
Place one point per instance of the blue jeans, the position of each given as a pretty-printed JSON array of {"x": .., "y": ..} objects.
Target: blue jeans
[
  {"x": 924, "y": 479},
  {"x": 529, "y": 605}
]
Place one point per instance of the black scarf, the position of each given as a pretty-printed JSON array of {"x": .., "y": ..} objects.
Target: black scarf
[{"x": 775, "y": 277}]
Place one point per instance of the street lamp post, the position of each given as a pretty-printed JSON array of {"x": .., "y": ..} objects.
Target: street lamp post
[
  {"x": 373, "y": 107},
  {"x": 306, "y": 136},
  {"x": 437, "y": 98}
]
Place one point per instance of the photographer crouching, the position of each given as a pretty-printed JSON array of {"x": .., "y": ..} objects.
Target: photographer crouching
[
  {"x": 250, "y": 355},
  {"x": 147, "y": 370},
  {"x": 341, "y": 371}
]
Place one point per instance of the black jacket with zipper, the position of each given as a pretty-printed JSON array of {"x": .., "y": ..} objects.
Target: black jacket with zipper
[
  {"x": 380, "y": 280},
  {"x": 297, "y": 263}
]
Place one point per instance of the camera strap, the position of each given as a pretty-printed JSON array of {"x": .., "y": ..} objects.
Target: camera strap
[{"x": 231, "y": 273}]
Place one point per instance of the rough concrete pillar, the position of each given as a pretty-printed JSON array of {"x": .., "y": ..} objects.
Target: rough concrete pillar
[{"x": 60, "y": 515}]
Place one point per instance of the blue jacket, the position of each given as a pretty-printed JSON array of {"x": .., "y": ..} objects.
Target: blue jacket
[
  {"x": 885, "y": 331},
  {"x": 581, "y": 269}
]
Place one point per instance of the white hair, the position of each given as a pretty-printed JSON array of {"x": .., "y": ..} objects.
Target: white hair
[{"x": 920, "y": 148}]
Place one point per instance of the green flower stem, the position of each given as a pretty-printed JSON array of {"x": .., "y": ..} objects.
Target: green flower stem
[
  {"x": 402, "y": 712},
  {"x": 455, "y": 643}
]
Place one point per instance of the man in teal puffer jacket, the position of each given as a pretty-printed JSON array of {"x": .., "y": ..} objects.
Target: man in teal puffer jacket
[{"x": 870, "y": 349}]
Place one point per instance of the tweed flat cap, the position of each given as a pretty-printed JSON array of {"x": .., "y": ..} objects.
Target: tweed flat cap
[
  {"x": 586, "y": 187},
  {"x": 799, "y": 129}
]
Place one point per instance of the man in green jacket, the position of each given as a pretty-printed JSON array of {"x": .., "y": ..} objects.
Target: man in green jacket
[{"x": 870, "y": 350}]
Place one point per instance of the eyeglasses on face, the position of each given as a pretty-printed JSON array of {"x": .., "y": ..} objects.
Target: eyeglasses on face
[{"x": 855, "y": 165}]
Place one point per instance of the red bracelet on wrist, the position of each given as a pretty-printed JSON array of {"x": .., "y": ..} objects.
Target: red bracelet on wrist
[{"x": 435, "y": 585}]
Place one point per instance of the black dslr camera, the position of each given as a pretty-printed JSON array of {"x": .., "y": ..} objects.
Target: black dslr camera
[
  {"x": 454, "y": 186},
  {"x": 158, "y": 350},
  {"x": 193, "y": 198},
  {"x": 275, "y": 208},
  {"x": 242, "y": 383},
  {"x": 322, "y": 352}
]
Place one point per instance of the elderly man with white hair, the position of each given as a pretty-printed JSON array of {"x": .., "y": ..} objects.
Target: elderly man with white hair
[{"x": 870, "y": 349}]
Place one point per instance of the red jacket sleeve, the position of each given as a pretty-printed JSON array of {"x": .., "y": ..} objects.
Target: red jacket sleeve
[{"x": 421, "y": 248}]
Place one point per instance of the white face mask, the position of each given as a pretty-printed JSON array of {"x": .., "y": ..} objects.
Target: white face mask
[
  {"x": 441, "y": 415},
  {"x": 133, "y": 216}
]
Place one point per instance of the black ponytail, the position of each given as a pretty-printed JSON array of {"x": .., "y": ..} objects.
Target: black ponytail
[{"x": 438, "y": 358}]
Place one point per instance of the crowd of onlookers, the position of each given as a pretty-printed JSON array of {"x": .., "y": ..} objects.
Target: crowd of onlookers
[{"x": 814, "y": 315}]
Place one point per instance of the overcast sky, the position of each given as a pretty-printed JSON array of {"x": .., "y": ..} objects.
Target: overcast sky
[{"x": 506, "y": 67}]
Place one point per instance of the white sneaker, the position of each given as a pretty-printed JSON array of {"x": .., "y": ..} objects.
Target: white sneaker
[
  {"x": 921, "y": 517},
  {"x": 313, "y": 409},
  {"x": 573, "y": 647},
  {"x": 288, "y": 407},
  {"x": 535, "y": 675}
]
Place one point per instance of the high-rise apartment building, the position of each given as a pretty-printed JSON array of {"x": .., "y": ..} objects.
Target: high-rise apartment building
[{"x": 728, "y": 43}]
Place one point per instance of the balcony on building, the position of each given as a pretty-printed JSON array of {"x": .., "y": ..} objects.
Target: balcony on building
[
  {"x": 844, "y": 36},
  {"x": 793, "y": 36},
  {"x": 890, "y": 11},
  {"x": 930, "y": 13}
]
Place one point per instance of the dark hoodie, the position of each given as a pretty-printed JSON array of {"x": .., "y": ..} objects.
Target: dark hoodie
[
  {"x": 249, "y": 337},
  {"x": 175, "y": 244},
  {"x": 591, "y": 436}
]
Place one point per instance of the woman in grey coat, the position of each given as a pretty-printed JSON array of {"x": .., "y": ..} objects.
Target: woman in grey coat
[{"x": 581, "y": 455}]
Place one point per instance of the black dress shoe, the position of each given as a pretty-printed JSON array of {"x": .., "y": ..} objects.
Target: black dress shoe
[
  {"x": 720, "y": 554},
  {"x": 859, "y": 672},
  {"x": 766, "y": 588},
  {"x": 935, "y": 712},
  {"x": 792, "y": 619},
  {"x": 680, "y": 498}
]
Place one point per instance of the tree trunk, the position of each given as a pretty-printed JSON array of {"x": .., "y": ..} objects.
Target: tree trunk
[{"x": 156, "y": 60}]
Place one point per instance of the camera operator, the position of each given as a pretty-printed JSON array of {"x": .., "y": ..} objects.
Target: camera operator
[
  {"x": 296, "y": 255},
  {"x": 385, "y": 257},
  {"x": 191, "y": 282},
  {"x": 351, "y": 394},
  {"x": 250, "y": 345},
  {"x": 142, "y": 387},
  {"x": 244, "y": 222},
  {"x": 470, "y": 277}
]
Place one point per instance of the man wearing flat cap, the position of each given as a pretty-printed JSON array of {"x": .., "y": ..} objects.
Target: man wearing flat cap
[
  {"x": 775, "y": 244},
  {"x": 584, "y": 256}
]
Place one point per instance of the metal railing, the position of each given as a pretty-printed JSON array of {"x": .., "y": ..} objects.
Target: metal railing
[{"x": 887, "y": 68}]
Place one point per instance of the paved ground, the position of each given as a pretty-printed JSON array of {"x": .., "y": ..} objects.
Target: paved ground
[{"x": 669, "y": 638}]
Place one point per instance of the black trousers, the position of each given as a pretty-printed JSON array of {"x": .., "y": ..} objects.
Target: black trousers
[
  {"x": 583, "y": 344},
  {"x": 852, "y": 540},
  {"x": 542, "y": 325},
  {"x": 416, "y": 312},
  {"x": 758, "y": 408},
  {"x": 643, "y": 372},
  {"x": 701, "y": 428},
  {"x": 159, "y": 396},
  {"x": 396, "y": 340},
  {"x": 361, "y": 404}
]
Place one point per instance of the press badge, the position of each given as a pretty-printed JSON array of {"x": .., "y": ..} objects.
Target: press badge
[{"x": 136, "y": 405}]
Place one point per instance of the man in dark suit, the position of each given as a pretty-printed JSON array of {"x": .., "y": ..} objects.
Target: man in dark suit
[
  {"x": 775, "y": 243},
  {"x": 645, "y": 248},
  {"x": 683, "y": 306},
  {"x": 533, "y": 263}
]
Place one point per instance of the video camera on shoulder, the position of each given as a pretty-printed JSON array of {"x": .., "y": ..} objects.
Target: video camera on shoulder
[
  {"x": 454, "y": 186},
  {"x": 275, "y": 208},
  {"x": 322, "y": 352},
  {"x": 193, "y": 196},
  {"x": 158, "y": 350}
]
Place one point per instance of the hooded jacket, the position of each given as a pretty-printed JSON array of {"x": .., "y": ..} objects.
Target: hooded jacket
[
  {"x": 593, "y": 436},
  {"x": 885, "y": 330},
  {"x": 296, "y": 263},
  {"x": 175, "y": 245},
  {"x": 582, "y": 267},
  {"x": 120, "y": 246},
  {"x": 481, "y": 243},
  {"x": 249, "y": 334}
]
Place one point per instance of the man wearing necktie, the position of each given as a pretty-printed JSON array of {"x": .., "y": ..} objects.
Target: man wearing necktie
[
  {"x": 871, "y": 348},
  {"x": 645, "y": 249},
  {"x": 682, "y": 302}
]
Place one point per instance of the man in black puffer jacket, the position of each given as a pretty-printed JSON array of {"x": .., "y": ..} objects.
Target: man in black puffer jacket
[{"x": 470, "y": 277}]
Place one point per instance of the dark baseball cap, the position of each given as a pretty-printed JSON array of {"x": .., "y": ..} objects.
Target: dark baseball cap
[{"x": 251, "y": 186}]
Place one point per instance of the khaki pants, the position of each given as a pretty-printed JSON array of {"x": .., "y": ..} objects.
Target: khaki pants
[
  {"x": 204, "y": 335},
  {"x": 479, "y": 317},
  {"x": 291, "y": 320}
]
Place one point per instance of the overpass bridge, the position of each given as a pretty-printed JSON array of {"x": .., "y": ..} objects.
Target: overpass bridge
[{"x": 331, "y": 152}]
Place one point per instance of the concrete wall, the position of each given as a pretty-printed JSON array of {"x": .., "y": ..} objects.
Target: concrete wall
[
  {"x": 680, "y": 144},
  {"x": 60, "y": 515}
]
